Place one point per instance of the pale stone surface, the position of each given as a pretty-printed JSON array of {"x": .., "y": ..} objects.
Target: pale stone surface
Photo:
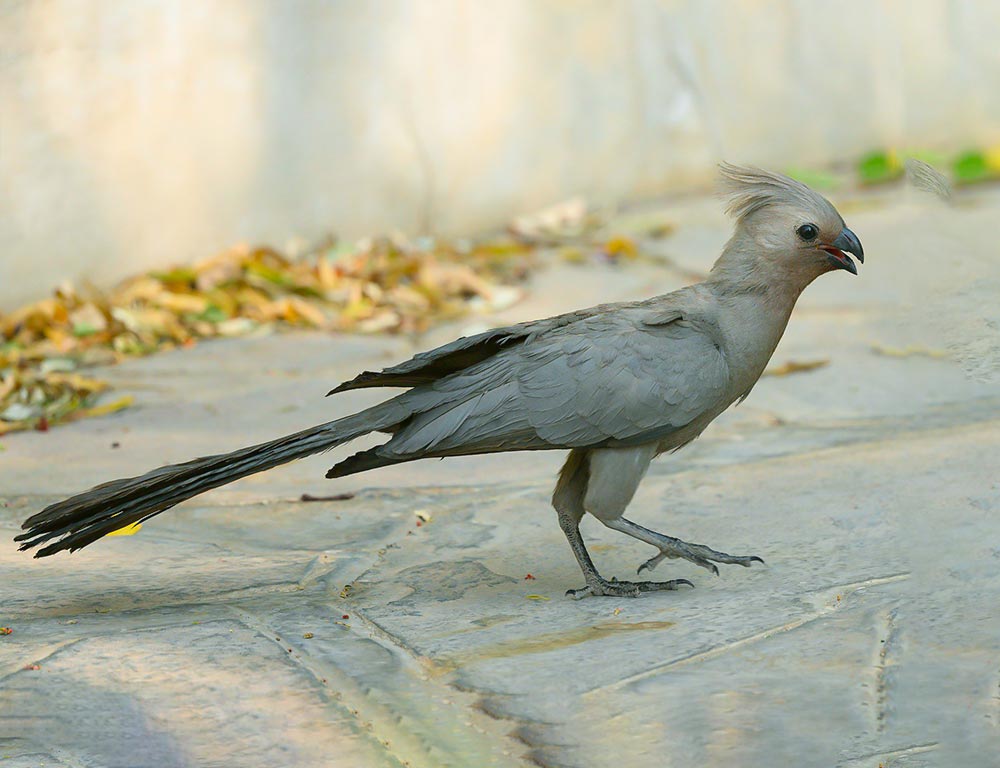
[{"x": 215, "y": 636}]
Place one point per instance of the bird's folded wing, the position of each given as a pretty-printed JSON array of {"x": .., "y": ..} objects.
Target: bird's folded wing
[
  {"x": 606, "y": 380},
  {"x": 624, "y": 383}
]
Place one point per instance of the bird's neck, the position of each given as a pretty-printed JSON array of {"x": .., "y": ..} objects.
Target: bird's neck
[
  {"x": 743, "y": 268},
  {"x": 759, "y": 302}
]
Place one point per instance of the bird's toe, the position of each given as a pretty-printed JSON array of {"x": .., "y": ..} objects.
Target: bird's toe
[{"x": 615, "y": 588}]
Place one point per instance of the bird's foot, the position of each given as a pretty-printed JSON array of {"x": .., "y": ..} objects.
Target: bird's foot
[
  {"x": 615, "y": 588},
  {"x": 698, "y": 554}
]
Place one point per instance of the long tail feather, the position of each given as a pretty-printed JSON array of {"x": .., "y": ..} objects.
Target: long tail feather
[{"x": 82, "y": 519}]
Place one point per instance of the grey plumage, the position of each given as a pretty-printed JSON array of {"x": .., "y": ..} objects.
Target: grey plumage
[
  {"x": 752, "y": 189},
  {"x": 616, "y": 384}
]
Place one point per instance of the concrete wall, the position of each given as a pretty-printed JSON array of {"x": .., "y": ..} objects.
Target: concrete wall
[{"x": 142, "y": 132}]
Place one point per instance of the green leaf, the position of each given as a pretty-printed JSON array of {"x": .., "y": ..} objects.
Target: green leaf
[
  {"x": 179, "y": 275},
  {"x": 81, "y": 330},
  {"x": 213, "y": 314},
  {"x": 971, "y": 167},
  {"x": 271, "y": 275},
  {"x": 879, "y": 167}
]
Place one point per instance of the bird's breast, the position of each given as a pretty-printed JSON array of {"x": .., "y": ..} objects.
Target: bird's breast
[{"x": 750, "y": 335}]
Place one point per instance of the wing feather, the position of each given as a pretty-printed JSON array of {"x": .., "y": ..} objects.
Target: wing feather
[{"x": 612, "y": 379}]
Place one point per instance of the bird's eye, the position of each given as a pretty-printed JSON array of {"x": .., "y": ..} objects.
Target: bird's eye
[{"x": 808, "y": 232}]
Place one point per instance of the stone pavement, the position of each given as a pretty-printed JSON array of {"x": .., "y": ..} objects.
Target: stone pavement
[{"x": 223, "y": 635}]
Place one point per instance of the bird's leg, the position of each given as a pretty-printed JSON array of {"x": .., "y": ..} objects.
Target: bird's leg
[
  {"x": 597, "y": 584},
  {"x": 670, "y": 547},
  {"x": 568, "y": 501}
]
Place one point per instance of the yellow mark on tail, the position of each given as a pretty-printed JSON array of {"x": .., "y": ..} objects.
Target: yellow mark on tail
[{"x": 128, "y": 530}]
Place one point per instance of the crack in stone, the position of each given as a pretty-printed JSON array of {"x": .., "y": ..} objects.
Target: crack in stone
[
  {"x": 882, "y": 663},
  {"x": 321, "y": 565},
  {"x": 343, "y": 688},
  {"x": 26, "y": 749},
  {"x": 42, "y": 660},
  {"x": 865, "y": 760},
  {"x": 826, "y": 607},
  {"x": 382, "y": 722}
]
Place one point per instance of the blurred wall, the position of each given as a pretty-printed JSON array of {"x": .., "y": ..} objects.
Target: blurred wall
[{"x": 150, "y": 131}]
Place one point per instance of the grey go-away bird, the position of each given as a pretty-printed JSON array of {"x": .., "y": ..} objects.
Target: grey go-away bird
[{"x": 616, "y": 384}]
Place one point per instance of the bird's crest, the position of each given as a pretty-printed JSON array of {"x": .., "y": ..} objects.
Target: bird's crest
[{"x": 750, "y": 189}]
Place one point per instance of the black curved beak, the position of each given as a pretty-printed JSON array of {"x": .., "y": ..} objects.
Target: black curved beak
[{"x": 846, "y": 242}]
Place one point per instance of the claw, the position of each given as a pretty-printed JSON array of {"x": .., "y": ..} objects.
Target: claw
[
  {"x": 615, "y": 588},
  {"x": 653, "y": 562}
]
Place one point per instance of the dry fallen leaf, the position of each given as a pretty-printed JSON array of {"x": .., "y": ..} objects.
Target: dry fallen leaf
[
  {"x": 102, "y": 410},
  {"x": 620, "y": 247},
  {"x": 913, "y": 350},
  {"x": 377, "y": 285},
  {"x": 795, "y": 366}
]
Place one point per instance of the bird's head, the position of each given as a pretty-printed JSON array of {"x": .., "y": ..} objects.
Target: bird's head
[{"x": 784, "y": 230}]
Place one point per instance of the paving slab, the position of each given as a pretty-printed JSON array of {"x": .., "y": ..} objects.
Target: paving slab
[{"x": 397, "y": 627}]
